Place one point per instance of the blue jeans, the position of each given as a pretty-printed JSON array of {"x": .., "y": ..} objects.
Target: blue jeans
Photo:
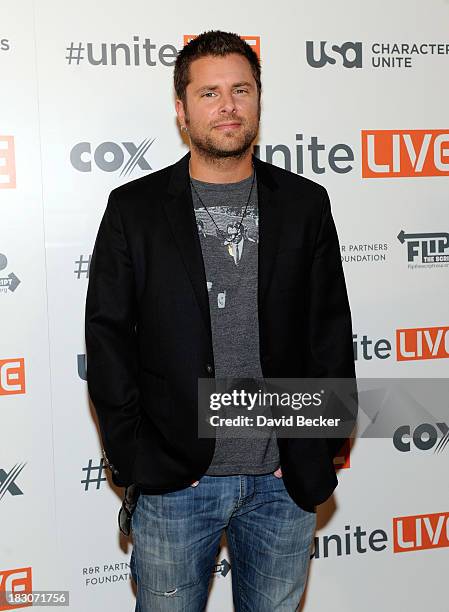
[{"x": 177, "y": 535}]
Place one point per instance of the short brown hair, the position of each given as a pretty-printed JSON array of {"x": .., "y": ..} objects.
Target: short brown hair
[{"x": 216, "y": 43}]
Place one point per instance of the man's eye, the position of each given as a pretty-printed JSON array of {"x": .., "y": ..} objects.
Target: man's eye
[
  {"x": 208, "y": 94},
  {"x": 241, "y": 90}
]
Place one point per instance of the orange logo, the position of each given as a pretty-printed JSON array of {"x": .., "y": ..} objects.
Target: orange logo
[
  {"x": 15, "y": 582},
  {"x": 422, "y": 343},
  {"x": 12, "y": 376},
  {"x": 405, "y": 153},
  {"x": 7, "y": 163},
  {"x": 343, "y": 458},
  {"x": 253, "y": 41},
  {"x": 420, "y": 532}
]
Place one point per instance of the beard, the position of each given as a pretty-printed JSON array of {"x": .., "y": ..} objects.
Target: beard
[{"x": 225, "y": 145}]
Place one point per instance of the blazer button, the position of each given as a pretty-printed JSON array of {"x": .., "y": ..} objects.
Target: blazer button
[{"x": 209, "y": 368}]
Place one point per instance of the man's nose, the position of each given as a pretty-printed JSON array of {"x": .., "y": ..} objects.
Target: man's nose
[{"x": 227, "y": 103}]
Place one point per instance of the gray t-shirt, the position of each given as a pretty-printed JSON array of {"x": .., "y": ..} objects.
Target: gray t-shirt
[{"x": 230, "y": 254}]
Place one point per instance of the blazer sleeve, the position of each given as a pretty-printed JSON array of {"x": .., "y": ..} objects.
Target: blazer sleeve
[
  {"x": 111, "y": 347},
  {"x": 329, "y": 325}
]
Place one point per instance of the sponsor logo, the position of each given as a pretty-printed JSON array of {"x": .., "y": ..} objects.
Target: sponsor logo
[
  {"x": 365, "y": 348},
  {"x": 94, "y": 575},
  {"x": 7, "y": 163},
  {"x": 422, "y": 343},
  {"x": 385, "y": 154},
  {"x": 409, "y": 534},
  {"x": 253, "y": 41},
  {"x": 420, "y": 532},
  {"x": 121, "y": 54},
  {"x": 12, "y": 376},
  {"x": 82, "y": 266},
  {"x": 350, "y": 54},
  {"x": 17, "y": 581},
  {"x": 313, "y": 156},
  {"x": 221, "y": 569},
  {"x": 402, "y": 55},
  {"x": 356, "y": 541},
  {"x": 411, "y": 345},
  {"x": 364, "y": 252},
  {"x": 94, "y": 475},
  {"x": 138, "y": 52},
  {"x": 10, "y": 282},
  {"x": 81, "y": 366},
  {"x": 424, "y": 437},
  {"x": 405, "y": 153},
  {"x": 8, "y": 480},
  {"x": 431, "y": 249},
  {"x": 111, "y": 156}
]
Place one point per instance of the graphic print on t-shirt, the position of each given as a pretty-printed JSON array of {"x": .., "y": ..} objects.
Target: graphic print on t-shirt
[
  {"x": 232, "y": 233},
  {"x": 230, "y": 249}
]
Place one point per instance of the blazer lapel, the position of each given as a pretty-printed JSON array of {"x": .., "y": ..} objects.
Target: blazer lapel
[
  {"x": 181, "y": 217},
  {"x": 269, "y": 226}
]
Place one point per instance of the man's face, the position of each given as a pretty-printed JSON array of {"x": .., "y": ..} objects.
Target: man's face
[{"x": 222, "y": 107}]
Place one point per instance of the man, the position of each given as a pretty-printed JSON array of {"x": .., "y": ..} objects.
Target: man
[{"x": 220, "y": 265}]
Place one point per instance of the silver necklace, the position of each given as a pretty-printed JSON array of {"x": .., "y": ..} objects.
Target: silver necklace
[{"x": 220, "y": 232}]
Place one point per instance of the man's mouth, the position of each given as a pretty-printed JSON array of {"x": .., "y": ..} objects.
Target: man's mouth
[{"x": 229, "y": 125}]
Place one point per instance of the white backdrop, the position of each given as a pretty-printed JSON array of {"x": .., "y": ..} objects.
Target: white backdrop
[{"x": 79, "y": 116}]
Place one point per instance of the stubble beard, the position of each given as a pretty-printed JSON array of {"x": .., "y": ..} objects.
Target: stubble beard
[{"x": 209, "y": 147}]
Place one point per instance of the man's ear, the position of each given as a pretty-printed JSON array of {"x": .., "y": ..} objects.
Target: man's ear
[{"x": 179, "y": 106}]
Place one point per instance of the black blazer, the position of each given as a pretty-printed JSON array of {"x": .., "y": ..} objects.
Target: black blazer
[{"x": 148, "y": 330}]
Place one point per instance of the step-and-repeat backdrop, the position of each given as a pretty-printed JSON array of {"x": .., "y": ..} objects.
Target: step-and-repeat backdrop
[{"x": 356, "y": 98}]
